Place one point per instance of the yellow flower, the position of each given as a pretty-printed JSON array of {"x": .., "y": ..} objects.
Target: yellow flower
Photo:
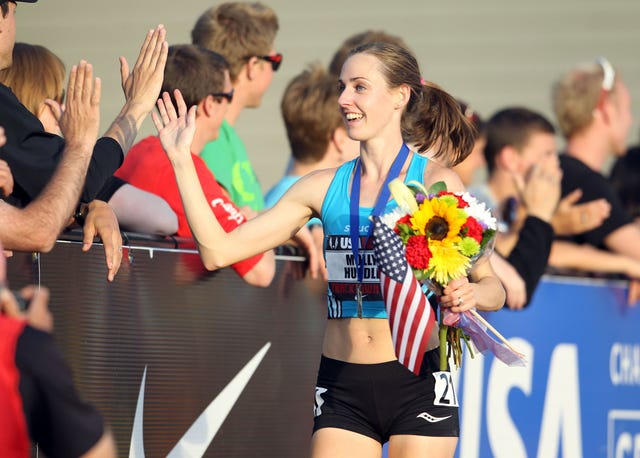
[
  {"x": 450, "y": 219},
  {"x": 448, "y": 263},
  {"x": 440, "y": 220}
]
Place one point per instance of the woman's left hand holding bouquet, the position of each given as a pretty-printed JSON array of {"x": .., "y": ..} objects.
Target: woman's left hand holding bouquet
[{"x": 458, "y": 296}]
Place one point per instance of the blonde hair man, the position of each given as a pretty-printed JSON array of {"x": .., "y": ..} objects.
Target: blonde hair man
[{"x": 244, "y": 33}]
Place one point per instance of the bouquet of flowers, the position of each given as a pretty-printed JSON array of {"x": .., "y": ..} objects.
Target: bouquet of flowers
[{"x": 444, "y": 233}]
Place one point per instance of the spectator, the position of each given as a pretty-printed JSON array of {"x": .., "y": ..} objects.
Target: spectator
[
  {"x": 203, "y": 77},
  {"x": 523, "y": 189},
  {"x": 36, "y": 77},
  {"x": 36, "y": 227},
  {"x": 625, "y": 179},
  {"x": 37, "y": 398},
  {"x": 38, "y": 401},
  {"x": 474, "y": 164},
  {"x": 379, "y": 83},
  {"x": 33, "y": 155},
  {"x": 593, "y": 108},
  {"x": 244, "y": 33},
  {"x": 473, "y": 171}
]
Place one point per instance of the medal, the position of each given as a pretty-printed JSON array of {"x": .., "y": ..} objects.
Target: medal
[{"x": 359, "y": 299}]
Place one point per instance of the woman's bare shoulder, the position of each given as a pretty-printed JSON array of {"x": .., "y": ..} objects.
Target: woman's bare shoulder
[
  {"x": 436, "y": 172},
  {"x": 318, "y": 178}
]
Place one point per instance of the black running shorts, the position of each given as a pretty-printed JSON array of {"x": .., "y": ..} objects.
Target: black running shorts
[{"x": 382, "y": 400}]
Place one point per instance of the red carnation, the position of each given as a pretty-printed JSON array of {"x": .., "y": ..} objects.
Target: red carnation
[
  {"x": 461, "y": 202},
  {"x": 418, "y": 253},
  {"x": 406, "y": 220},
  {"x": 473, "y": 229}
]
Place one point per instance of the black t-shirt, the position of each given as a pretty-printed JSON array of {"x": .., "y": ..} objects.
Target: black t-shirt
[
  {"x": 33, "y": 154},
  {"x": 59, "y": 421},
  {"x": 576, "y": 174}
]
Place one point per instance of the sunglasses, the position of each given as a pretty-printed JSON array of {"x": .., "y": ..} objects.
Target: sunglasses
[
  {"x": 224, "y": 95},
  {"x": 275, "y": 60},
  {"x": 609, "y": 74}
]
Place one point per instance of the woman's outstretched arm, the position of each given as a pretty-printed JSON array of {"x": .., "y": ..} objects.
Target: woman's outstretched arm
[{"x": 176, "y": 128}]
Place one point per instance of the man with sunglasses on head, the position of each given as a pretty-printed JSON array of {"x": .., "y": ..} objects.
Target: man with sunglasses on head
[
  {"x": 202, "y": 76},
  {"x": 593, "y": 108},
  {"x": 244, "y": 33}
]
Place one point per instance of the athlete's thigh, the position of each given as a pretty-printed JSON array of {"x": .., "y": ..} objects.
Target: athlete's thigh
[
  {"x": 340, "y": 443},
  {"x": 409, "y": 446}
]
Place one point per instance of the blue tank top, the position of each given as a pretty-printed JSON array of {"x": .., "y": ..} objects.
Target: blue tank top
[{"x": 341, "y": 267}]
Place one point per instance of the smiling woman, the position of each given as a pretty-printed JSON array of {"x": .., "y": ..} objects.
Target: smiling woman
[{"x": 381, "y": 90}]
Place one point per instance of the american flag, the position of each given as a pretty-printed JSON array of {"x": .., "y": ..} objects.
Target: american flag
[{"x": 410, "y": 315}]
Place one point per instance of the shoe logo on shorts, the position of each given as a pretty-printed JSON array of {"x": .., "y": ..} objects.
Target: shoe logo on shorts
[
  {"x": 317, "y": 411},
  {"x": 431, "y": 418}
]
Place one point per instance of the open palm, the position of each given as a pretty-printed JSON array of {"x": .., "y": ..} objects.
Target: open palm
[{"x": 176, "y": 129}]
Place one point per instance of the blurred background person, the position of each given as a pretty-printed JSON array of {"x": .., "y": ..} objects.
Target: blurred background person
[
  {"x": 592, "y": 105},
  {"x": 593, "y": 108},
  {"x": 244, "y": 34},
  {"x": 522, "y": 189},
  {"x": 473, "y": 168},
  {"x": 38, "y": 401},
  {"x": 203, "y": 77},
  {"x": 625, "y": 179}
]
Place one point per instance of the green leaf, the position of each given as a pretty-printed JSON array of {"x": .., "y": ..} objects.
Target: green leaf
[
  {"x": 417, "y": 187},
  {"x": 437, "y": 187}
]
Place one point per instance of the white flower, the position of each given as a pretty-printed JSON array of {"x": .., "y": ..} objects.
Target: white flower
[
  {"x": 479, "y": 211},
  {"x": 391, "y": 218}
]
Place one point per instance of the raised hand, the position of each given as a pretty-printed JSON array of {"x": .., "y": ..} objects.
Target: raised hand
[
  {"x": 542, "y": 188},
  {"x": 81, "y": 119},
  {"x": 176, "y": 129},
  {"x": 142, "y": 85}
]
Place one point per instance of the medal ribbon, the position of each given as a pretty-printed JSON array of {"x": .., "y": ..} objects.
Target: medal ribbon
[{"x": 381, "y": 202}]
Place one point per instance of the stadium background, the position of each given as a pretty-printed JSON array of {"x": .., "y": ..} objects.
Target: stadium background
[{"x": 491, "y": 53}]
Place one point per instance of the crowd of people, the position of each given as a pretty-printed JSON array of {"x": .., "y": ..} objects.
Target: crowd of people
[{"x": 352, "y": 127}]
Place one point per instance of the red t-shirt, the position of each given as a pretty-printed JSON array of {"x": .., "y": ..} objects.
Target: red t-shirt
[
  {"x": 146, "y": 166},
  {"x": 14, "y": 438}
]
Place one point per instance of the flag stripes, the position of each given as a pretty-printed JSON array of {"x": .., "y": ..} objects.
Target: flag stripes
[{"x": 410, "y": 316}]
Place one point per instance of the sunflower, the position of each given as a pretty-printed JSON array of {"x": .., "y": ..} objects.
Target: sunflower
[{"x": 439, "y": 219}]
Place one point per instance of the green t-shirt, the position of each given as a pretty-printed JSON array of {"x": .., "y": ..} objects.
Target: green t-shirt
[{"x": 227, "y": 158}]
